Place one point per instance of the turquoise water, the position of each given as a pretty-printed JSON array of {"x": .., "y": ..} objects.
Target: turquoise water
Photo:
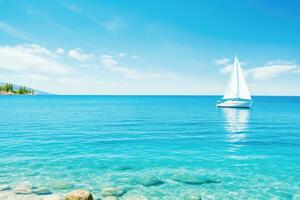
[{"x": 91, "y": 142}]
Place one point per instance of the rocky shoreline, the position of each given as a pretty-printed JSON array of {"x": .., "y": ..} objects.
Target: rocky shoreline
[{"x": 27, "y": 191}]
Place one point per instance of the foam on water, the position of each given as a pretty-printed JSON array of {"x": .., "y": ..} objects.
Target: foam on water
[{"x": 91, "y": 142}]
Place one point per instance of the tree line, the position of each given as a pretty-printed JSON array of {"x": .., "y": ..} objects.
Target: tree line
[{"x": 9, "y": 88}]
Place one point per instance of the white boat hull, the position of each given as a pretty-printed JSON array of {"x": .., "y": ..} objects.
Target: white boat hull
[{"x": 235, "y": 104}]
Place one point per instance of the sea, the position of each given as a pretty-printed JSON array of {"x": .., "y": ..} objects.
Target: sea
[{"x": 155, "y": 147}]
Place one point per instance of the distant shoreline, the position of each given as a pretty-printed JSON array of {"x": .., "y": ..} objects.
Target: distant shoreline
[{"x": 14, "y": 94}]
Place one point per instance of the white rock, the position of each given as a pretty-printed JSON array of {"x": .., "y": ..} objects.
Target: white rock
[
  {"x": 79, "y": 195},
  {"x": 52, "y": 197},
  {"x": 23, "y": 188},
  {"x": 10, "y": 195}
]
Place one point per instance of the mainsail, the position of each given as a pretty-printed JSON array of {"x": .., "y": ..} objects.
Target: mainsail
[{"x": 237, "y": 87}]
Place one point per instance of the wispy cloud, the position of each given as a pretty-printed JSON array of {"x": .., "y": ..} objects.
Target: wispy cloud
[
  {"x": 222, "y": 61},
  {"x": 273, "y": 69},
  {"x": 79, "y": 55},
  {"x": 108, "y": 60},
  {"x": 30, "y": 59},
  {"x": 227, "y": 69},
  {"x": 60, "y": 51},
  {"x": 270, "y": 70},
  {"x": 226, "y": 66},
  {"x": 33, "y": 49},
  {"x": 110, "y": 63},
  {"x": 12, "y": 31}
]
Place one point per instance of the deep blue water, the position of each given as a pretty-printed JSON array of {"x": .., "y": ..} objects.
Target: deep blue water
[{"x": 90, "y": 142}]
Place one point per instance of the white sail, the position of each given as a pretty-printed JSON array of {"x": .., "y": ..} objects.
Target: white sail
[{"x": 237, "y": 87}]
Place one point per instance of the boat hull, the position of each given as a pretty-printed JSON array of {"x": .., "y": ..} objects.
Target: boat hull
[{"x": 235, "y": 104}]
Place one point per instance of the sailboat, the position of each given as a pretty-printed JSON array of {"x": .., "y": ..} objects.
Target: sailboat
[{"x": 237, "y": 94}]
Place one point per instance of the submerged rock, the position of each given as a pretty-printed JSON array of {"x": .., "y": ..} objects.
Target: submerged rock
[
  {"x": 61, "y": 185},
  {"x": 149, "y": 180},
  {"x": 79, "y": 195},
  {"x": 4, "y": 187},
  {"x": 113, "y": 191},
  {"x": 193, "y": 196},
  {"x": 124, "y": 168},
  {"x": 41, "y": 191},
  {"x": 193, "y": 179},
  {"x": 23, "y": 188}
]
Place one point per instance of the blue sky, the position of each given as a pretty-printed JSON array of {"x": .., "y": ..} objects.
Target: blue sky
[{"x": 150, "y": 47}]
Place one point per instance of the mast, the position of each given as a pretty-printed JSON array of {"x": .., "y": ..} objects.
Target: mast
[{"x": 236, "y": 63}]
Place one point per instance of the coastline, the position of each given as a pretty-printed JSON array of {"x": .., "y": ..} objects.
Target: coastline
[
  {"x": 138, "y": 188},
  {"x": 26, "y": 191}
]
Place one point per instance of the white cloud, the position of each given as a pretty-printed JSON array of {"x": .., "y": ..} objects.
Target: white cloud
[
  {"x": 270, "y": 70},
  {"x": 60, "y": 51},
  {"x": 108, "y": 60},
  {"x": 134, "y": 56},
  {"x": 227, "y": 69},
  {"x": 33, "y": 49},
  {"x": 12, "y": 31},
  {"x": 79, "y": 55},
  {"x": 111, "y": 64},
  {"x": 222, "y": 61},
  {"x": 273, "y": 69},
  {"x": 280, "y": 62},
  {"x": 30, "y": 58}
]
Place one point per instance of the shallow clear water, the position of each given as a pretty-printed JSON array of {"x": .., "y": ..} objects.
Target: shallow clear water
[{"x": 90, "y": 142}]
